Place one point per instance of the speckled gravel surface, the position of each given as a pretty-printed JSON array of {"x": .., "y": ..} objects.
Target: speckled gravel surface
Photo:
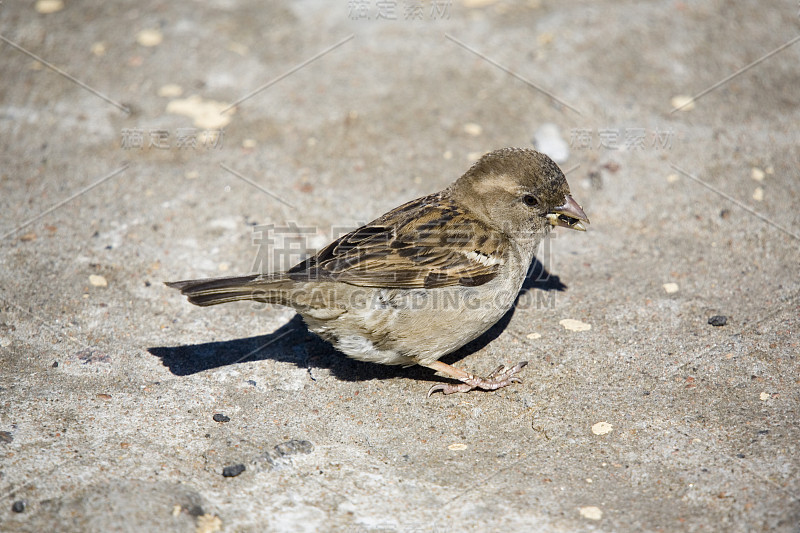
[{"x": 123, "y": 165}]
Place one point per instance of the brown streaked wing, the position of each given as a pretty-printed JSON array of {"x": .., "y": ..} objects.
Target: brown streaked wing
[{"x": 426, "y": 243}]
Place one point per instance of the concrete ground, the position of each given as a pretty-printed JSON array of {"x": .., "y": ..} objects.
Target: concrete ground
[{"x": 124, "y": 408}]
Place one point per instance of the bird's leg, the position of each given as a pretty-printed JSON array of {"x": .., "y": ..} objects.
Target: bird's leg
[{"x": 500, "y": 377}]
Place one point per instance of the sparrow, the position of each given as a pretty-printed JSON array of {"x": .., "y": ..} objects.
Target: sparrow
[{"x": 427, "y": 277}]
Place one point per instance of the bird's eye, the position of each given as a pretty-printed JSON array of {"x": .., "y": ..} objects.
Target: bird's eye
[{"x": 530, "y": 200}]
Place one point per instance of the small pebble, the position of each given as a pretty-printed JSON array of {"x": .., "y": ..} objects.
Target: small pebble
[
  {"x": 46, "y": 7},
  {"x": 170, "y": 90},
  {"x": 294, "y": 447},
  {"x": 219, "y": 417},
  {"x": 263, "y": 462},
  {"x": 457, "y": 447},
  {"x": 548, "y": 140},
  {"x": 591, "y": 512},
  {"x": 233, "y": 470},
  {"x": 672, "y": 178},
  {"x": 534, "y": 336},
  {"x": 470, "y": 128},
  {"x": 602, "y": 428},
  {"x": 683, "y": 102},
  {"x": 150, "y": 37},
  {"x": 757, "y": 174},
  {"x": 575, "y": 325},
  {"x": 764, "y": 396},
  {"x": 98, "y": 281},
  {"x": 670, "y": 288},
  {"x": 208, "y": 523},
  {"x": 194, "y": 510},
  {"x": 594, "y": 180},
  {"x": 98, "y": 49},
  {"x": 55, "y": 364},
  {"x": 718, "y": 320},
  {"x": 238, "y": 48},
  {"x": 612, "y": 166},
  {"x": 207, "y": 114},
  {"x": 474, "y": 4},
  {"x": 758, "y": 194},
  {"x": 544, "y": 38},
  {"x": 19, "y": 506},
  {"x": 6, "y": 437}
]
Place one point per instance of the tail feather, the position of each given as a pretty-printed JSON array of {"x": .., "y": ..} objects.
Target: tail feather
[{"x": 205, "y": 292}]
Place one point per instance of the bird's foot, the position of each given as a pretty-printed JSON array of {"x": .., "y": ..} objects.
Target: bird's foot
[{"x": 499, "y": 378}]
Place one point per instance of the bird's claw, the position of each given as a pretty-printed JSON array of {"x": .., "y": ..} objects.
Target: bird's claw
[
  {"x": 450, "y": 388},
  {"x": 497, "y": 379},
  {"x": 495, "y": 372}
]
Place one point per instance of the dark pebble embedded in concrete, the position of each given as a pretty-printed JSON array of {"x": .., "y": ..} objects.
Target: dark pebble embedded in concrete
[
  {"x": 18, "y": 506},
  {"x": 233, "y": 470},
  {"x": 718, "y": 320},
  {"x": 6, "y": 437},
  {"x": 219, "y": 417},
  {"x": 195, "y": 510}
]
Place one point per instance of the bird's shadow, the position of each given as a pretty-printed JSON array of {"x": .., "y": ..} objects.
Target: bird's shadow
[{"x": 294, "y": 343}]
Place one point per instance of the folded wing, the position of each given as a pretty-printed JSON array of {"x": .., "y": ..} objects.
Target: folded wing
[{"x": 426, "y": 243}]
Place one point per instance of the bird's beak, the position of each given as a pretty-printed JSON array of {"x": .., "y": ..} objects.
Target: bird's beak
[{"x": 570, "y": 215}]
